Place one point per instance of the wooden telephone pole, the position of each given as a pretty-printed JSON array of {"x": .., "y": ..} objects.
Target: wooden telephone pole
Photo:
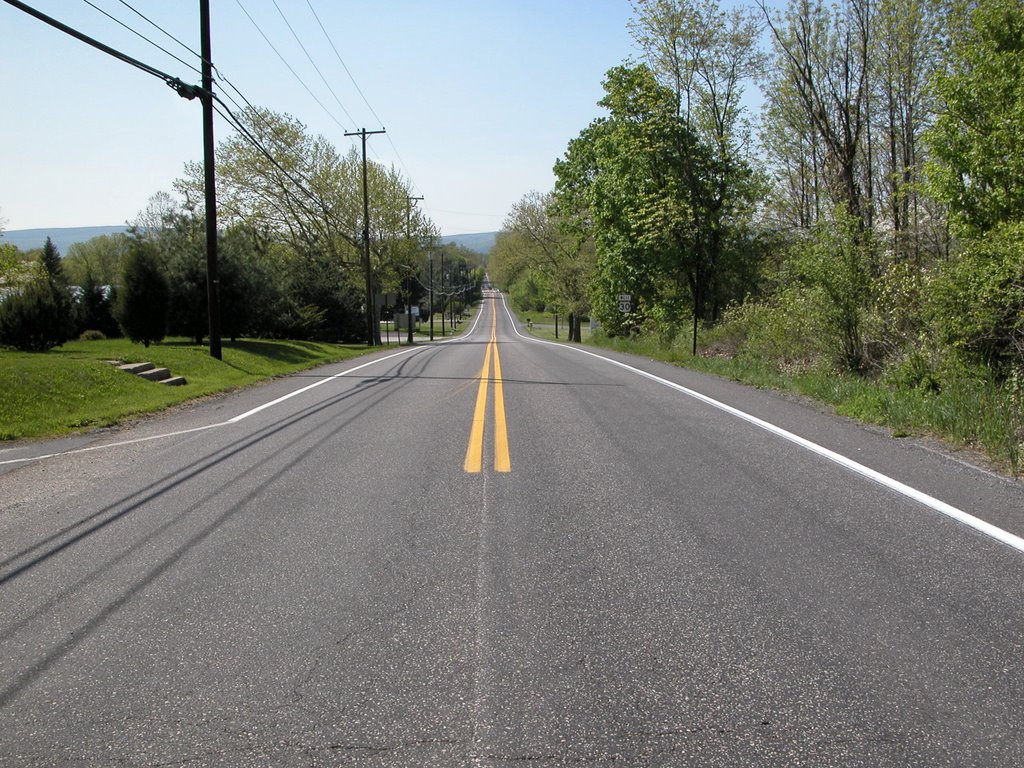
[
  {"x": 372, "y": 326},
  {"x": 408, "y": 287},
  {"x": 210, "y": 182}
]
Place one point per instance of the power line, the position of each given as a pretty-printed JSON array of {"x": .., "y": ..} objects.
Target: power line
[
  {"x": 348, "y": 72},
  {"x": 221, "y": 75},
  {"x": 161, "y": 29},
  {"x": 139, "y": 34},
  {"x": 223, "y": 78},
  {"x": 301, "y": 185},
  {"x": 183, "y": 89},
  {"x": 342, "y": 61},
  {"x": 290, "y": 69},
  {"x": 303, "y": 47},
  {"x": 183, "y": 45},
  {"x": 240, "y": 126}
]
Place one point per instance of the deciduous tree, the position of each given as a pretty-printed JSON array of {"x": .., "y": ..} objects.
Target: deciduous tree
[{"x": 977, "y": 142}]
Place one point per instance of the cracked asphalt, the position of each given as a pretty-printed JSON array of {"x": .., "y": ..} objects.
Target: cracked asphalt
[{"x": 655, "y": 582}]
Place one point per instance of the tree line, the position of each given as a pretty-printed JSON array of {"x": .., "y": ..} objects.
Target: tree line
[
  {"x": 868, "y": 219},
  {"x": 289, "y": 253}
]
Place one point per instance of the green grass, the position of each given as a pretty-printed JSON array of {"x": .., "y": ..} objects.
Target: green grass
[
  {"x": 544, "y": 325},
  {"x": 72, "y": 387},
  {"x": 969, "y": 413}
]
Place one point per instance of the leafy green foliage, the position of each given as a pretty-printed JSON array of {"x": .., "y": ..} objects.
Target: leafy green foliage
[
  {"x": 182, "y": 250},
  {"x": 666, "y": 211},
  {"x": 543, "y": 260},
  {"x": 632, "y": 177},
  {"x": 977, "y": 299},
  {"x": 99, "y": 258},
  {"x": 16, "y": 268},
  {"x": 977, "y": 142},
  {"x": 835, "y": 263}
]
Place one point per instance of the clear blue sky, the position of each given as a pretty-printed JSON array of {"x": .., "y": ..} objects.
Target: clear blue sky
[{"x": 479, "y": 97}]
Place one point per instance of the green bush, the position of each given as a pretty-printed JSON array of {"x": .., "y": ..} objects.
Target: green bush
[
  {"x": 976, "y": 302},
  {"x": 37, "y": 318},
  {"x": 833, "y": 266},
  {"x": 788, "y": 331}
]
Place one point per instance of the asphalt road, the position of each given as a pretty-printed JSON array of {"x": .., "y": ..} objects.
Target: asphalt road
[{"x": 409, "y": 560}]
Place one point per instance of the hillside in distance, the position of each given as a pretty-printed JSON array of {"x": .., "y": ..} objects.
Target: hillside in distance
[
  {"x": 479, "y": 242},
  {"x": 65, "y": 237}
]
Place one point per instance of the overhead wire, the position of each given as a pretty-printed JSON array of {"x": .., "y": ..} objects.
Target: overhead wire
[
  {"x": 343, "y": 65},
  {"x": 362, "y": 95},
  {"x": 303, "y": 47},
  {"x": 220, "y": 75},
  {"x": 183, "y": 89},
  {"x": 161, "y": 29},
  {"x": 139, "y": 34},
  {"x": 179, "y": 42},
  {"x": 289, "y": 66},
  {"x": 191, "y": 91},
  {"x": 224, "y": 111},
  {"x": 257, "y": 114}
]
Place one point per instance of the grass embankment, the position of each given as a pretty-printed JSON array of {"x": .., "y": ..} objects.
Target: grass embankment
[
  {"x": 73, "y": 387},
  {"x": 544, "y": 326},
  {"x": 968, "y": 412}
]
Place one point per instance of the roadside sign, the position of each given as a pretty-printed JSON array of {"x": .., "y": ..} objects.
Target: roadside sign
[{"x": 625, "y": 303}]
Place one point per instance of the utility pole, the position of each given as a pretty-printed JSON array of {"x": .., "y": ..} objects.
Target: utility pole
[
  {"x": 372, "y": 327},
  {"x": 210, "y": 182},
  {"x": 408, "y": 289},
  {"x": 430, "y": 259},
  {"x": 444, "y": 303}
]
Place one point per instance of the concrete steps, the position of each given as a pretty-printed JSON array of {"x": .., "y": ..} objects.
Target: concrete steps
[{"x": 150, "y": 372}]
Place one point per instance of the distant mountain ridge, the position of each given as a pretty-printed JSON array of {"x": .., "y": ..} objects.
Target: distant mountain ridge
[
  {"x": 479, "y": 242},
  {"x": 65, "y": 237}
]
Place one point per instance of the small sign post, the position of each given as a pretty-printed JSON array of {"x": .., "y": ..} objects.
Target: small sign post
[{"x": 625, "y": 303}]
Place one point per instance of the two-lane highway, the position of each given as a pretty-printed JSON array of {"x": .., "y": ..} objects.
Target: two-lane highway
[{"x": 495, "y": 551}]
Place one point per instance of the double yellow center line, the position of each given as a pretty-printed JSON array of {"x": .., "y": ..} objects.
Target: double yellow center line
[{"x": 475, "y": 450}]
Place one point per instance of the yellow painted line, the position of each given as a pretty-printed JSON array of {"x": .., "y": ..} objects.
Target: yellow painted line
[
  {"x": 475, "y": 450},
  {"x": 502, "y": 462}
]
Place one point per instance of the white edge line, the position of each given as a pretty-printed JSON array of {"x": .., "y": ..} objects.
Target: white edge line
[
  {"x": 114, "y": 445},
  {"x": 942, "y": 507},
  {"x": 314, "y": 385},
  {"x": 230, "y": 421}
]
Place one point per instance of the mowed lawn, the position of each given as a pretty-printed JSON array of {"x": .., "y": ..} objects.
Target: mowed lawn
[{"x": 74, "y": 387}]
